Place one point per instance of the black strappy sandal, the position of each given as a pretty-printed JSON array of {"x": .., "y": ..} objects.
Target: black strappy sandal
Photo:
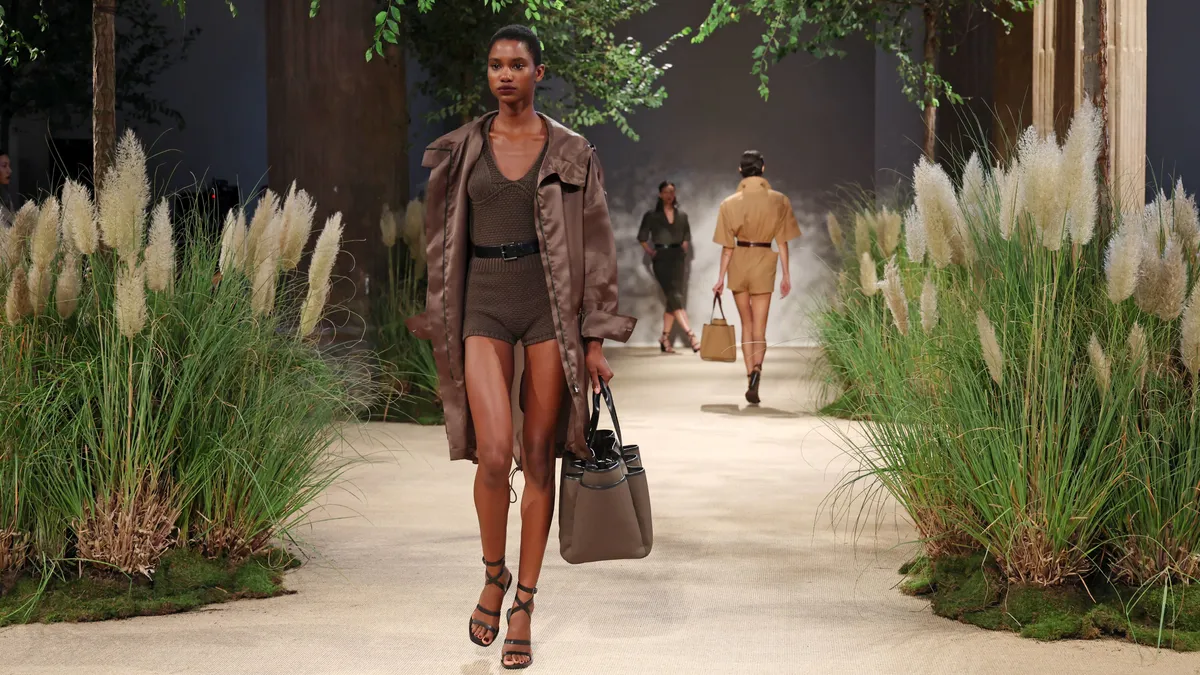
[
  {"x": 527, "y": 607},
  {"x": 664, "y": 344},
  {"x": 695, "y": 342},
  {"x": 492, "y": 581}
]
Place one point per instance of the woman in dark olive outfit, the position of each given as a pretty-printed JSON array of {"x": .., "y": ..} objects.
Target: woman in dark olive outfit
[
  {"x": 667, "y": 236},
  {"x": 520, "y": 249}
]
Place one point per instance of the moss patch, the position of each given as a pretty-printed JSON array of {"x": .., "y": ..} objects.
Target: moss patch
[
  {"x": 972, "y": 590},
  {"x": 184, "y": 580}
]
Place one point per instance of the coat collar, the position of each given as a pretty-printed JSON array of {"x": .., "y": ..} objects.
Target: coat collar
[
  {"x": 567, "y": 154},
  {"x": 753, "y": 184}
]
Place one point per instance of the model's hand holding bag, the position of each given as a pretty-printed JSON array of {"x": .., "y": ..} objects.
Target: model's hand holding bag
[
  {"x": 604, "y": 502},
  {"x": 718, "y": 342}
]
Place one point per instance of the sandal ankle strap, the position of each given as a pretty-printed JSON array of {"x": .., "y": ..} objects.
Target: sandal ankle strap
[{"x": 498, "y": 563}]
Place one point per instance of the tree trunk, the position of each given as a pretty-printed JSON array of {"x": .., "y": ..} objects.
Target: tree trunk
[
  {"x": 104, "y": 85},
  {"x": 338, "y": 125},
  {"x": 931, "y": 49}
]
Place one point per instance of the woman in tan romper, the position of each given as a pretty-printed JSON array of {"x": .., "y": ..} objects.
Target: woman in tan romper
[{"x": 747, "y": 223}]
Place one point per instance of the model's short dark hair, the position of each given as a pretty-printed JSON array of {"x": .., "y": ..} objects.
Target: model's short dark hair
[
  {"x": 752, "y": 164},
  {"x": 523, "y": 34}
]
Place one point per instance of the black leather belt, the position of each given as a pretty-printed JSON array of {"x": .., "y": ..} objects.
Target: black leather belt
[
  {"x": 662, "y": 246},
  {"x": 509, "y": 251},
  {"x": 754, "y": 244}
]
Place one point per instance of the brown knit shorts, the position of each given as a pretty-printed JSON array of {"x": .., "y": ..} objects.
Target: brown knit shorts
[{"x": 507, "y": 300}]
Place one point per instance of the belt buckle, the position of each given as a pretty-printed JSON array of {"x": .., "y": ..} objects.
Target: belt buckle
[{"x": 505, "y": 254}]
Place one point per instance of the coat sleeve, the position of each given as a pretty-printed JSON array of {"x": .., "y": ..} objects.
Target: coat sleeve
[
  {"x": 599, "y": 318},
  {"x": 724, "y": 233},
  {"x": 787, "y": 229},
  {"x": 644, "y": 230}
]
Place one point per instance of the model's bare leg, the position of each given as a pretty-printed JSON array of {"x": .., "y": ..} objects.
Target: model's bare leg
[
  {"x": 545, "y": 383},
  {"x": 489, "y": 364},
  {"x": 681, "y": 315},
  {"x": 665, "y": 339},
  {"x": 746, "y": 313},
  {"x": 760, "y": 307}
]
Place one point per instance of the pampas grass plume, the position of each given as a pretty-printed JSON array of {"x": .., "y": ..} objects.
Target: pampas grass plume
[
  {"x": 929, "y": 305},
  {"x": 123, "y": 198},
  {"x": 79, "y": 217},
  {"x": 1172, "y": 291},
  {"x": 25, "y": 221},
  {"x": 233, "y": 243},
  {"x": 866, "y": 275},
  {"x": 388, "y": 228},
  {"x": 914, "y": 235},
  {"x": 862, "y": 233},
  {"x": 1011, "y": 192},
  {"x": 992, "y": 356},
  {"x": 938, "y": 208},
  {"x": 265, "y": 214},
  {"x": 266, "y": 267},
  {"x": 414, "y": 234},
  {"x": 160, "y": 254},
  {"x": 43, "y": 245},
  {"x": 1101, "y": 366},
  {"x": 297, "y": 214},
  {"x": 39, "y": 282},
  {"x": 129, "y": 304},
  {"x": 893, "y": 292},
  {"x": 1189, "y": 334},
  {"x": 974, "y": 183},
  {"x": 66, "y": 292},
  {"x": 319, "y": 271},
  {"x": 16, "y": 305},
  {"x": 1123, "y": 260},
  {"x": 1079, "y": 156},
  {"x": 889, "y": 224},
  {"x": 1185, "y": 218},
  {"x": 1139, "y": 351},
  {"x": 1041, "y": 165}
]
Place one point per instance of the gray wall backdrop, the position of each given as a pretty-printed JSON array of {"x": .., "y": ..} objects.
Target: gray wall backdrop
[{"x": 827, "y": 124}]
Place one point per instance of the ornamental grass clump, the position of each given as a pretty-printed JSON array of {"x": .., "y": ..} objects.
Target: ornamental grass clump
[
  {"x": 1046, "y": 414},
  {"x": 407, "y": 362},
  {"x": 153, "y": 397}
]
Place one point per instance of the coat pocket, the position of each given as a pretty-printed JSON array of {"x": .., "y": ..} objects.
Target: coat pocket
[{"x": 420, "y": 325}]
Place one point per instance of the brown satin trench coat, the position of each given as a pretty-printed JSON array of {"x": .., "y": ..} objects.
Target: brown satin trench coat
[{"x": 578, "y": 256}]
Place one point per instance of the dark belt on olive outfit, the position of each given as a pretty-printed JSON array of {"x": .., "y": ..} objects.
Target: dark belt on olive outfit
[
  {"x": 754, "y": 244},
  {"x": 509, "y": 251},
  {"x": 662, "y": 246}
]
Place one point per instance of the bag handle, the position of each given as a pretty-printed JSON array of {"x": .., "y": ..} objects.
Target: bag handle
[
  {"x": 594, "y": 422},
  {"x": 717, "y": 304}
]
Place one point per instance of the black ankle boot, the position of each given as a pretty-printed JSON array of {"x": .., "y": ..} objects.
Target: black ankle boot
[{"x": 752, "y": 390}]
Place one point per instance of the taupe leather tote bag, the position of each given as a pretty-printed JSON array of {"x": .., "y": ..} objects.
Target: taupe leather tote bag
[
  {"x": 718, "y": 341},
  {"x": 604, "y": 502}
]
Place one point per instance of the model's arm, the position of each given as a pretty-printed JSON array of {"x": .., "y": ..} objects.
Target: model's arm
[
  {"x": 644, "y": 235},
  {"x": 687, "y": 231},
  {"x": 787, "y": 230},
  {"x": 724, "y": 237}
]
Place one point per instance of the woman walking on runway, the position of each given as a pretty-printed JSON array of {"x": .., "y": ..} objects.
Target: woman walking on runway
[
  {"x": 747, "y": 223},
  {"x": 667, "y": 237},
  {"x": 520, "y": 249}
]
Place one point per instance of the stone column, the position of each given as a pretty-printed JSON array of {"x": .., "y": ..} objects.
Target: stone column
[
  {"x": 1099, "y": 47},
  {"x": 1127, "y": 100}
]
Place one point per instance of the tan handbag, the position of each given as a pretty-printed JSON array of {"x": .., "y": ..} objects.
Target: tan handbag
[
  {"x": 718, "y": 341},
  {"x": 604, "y": 502}
]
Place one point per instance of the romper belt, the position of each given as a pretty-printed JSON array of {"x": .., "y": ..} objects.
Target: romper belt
[
  {"x": 754, "y": 244},
  {"x": 509, "y": 251},
  {"x": 660, "y": 247}
]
